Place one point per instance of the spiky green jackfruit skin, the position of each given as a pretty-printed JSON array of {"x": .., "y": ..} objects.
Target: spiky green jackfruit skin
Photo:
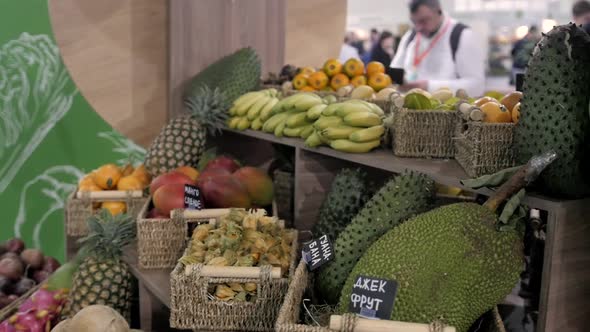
[
  {"x": 554, "y": 111},
  {"x": 400, "y": 199},
  {"x": 234, "y": 75},
  {"x": 348, "y": 194},
  {"x": 451, "y": 264}
]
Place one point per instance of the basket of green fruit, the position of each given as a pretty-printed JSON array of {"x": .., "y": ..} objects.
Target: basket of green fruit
[{"x": 234, "y": 273}]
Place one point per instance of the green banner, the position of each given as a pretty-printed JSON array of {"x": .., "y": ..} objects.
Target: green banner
[{"x": 49, "y": 135}]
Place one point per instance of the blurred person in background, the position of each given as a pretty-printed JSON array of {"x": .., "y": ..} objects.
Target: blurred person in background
[
  {"x": 373, "y": 41},
  {"x": 354, "y": 41},
  {"x": 440, "y": 52},
  {"x": 522, "y": 51},
  {"x": 383, "y": 50},
  {"x": 581, "y": 14},
  {"x": 347, "y": 51}
]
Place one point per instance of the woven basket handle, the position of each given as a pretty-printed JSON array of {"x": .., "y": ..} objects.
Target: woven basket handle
[
  {"x": 109, "y": 194},
  {"x": 349, "y": 323},
  {"x": 237, "y": 272}
]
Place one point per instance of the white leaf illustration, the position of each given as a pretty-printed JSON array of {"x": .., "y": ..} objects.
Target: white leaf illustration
[{"x": 130, "y": 151}]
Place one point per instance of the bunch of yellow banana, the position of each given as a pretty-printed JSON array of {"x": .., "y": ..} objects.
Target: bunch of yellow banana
[
  {"x": 252, "y": 109},
  {"x": 290, "y": 116},
  {"x": 354, "y": 126}
]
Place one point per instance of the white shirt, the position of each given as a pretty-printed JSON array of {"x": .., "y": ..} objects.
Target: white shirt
[
  {"x": 438, "y": 68},
  {"x": 347, "y": 52}
]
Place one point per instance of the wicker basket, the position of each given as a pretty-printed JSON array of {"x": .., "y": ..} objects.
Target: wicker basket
[
  {"x": 424, "y": 134},
  {"x": 160, "y": 242},
  {"x": 81, "y": 205},
  {"x": 191, "y": 308},
  {"x": 288, "y": 320},
  {"x": 484, "y": 148},
  {"x": 284, "y": 185},
  {"x": 12, "y": 308}
]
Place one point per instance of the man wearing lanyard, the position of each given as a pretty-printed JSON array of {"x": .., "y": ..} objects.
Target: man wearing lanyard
[{"x": 440, "y": 52}]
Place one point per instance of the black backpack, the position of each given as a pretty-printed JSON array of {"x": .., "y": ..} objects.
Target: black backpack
[{"x": 455, "y": 37}]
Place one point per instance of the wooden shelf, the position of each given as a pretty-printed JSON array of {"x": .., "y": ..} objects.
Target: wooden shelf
[{"x": 156, "y": 281}]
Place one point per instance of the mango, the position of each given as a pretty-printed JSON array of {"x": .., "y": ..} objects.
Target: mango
[
  {"x": 169, "y": 197},
  {"x": 223, "y": 162},
  {"x": 258, "y": 184},
  {"x": 170, "y": 178},
  {"x": 224, "y": 191}
]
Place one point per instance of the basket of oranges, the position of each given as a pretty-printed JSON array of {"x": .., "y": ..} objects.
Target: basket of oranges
[
  {"x": 112, "y": 187},
  {"x": 483, "y": 142}
]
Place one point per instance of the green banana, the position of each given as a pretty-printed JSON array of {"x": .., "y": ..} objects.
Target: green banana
[
  {"x": 256, "y": 124},
  {"x": 243, "y": 124},
  {"x": 372, "y": 107},
  {"x": 233, "y": 122},
  {"x": 307, "y": 102},
  {"x": 280, "y": 128},
  {"x": 245, "y": 96},
  {"x": 313, "y": 140},
  {"x": 293, "y": 132},
  {"x": 339, "y": 132},
  {"x": 362, "y": 119},
  {"x": 323, "y": 138},
  {"x": 327, "y": 121},
  {"x": 271, "y": 124},
  {"x": 307, "y": 131},
  {"x": 315, "y": 112},
  {"x": 243, "y": 107},
  {"x": 265, "y": 112},
  {"x": 255, "y": 109},
  {"x": 367, "y": 134},
  {"x": 297, "y": 120},
  {"x": 331, "y": 109},
  {"x": 345, "y": 145},
  {"x": 348, "y": 108}
]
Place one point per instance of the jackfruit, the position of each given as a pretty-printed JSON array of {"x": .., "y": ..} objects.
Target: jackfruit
[
  {"x": 348, "y": 194},
  {"x": 401, "y": 198},
  {"x": 451, "y": 264},
  {"x": 554, "y": 111}
]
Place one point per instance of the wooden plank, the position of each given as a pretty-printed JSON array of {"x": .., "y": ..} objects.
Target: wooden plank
[
  {"x": 565, "y": 290},
  {"x": 157, "y": 282}
]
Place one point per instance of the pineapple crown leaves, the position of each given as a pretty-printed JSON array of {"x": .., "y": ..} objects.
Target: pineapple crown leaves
[
  {"x": 208, "y": 107},
  {"x": 108, "y": 234}
]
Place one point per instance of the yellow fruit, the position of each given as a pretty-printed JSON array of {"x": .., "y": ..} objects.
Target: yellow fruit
[
  {"x": 332, "y": 67},
  {"x": 142, "y": 174},
  {"x": 107, "y": 176},
  {"x": 299, "y": 81},
  {"x": 359, "y": 80},
  {"x": 510, "y": 100},
  {"x": 516, "y": 113},
  {"x": 308, "y": 88},
  {"x": 114, "y": 207},
  {"x": 127, "y": 170},
  {"x": 354, "y": 67},
  {"x": 362, "y": 92},
  {"x": 485, "y": 100},
  {"x": 338, "y": 81},
  {"x": 375, "y": 67},
  {"x": 379, "y": 81},
  {"x": 188, "y": 171},
  {"x": 130, "y": 182},
  {"x": 87, "y": 184},
  {"x": 495, "y": 113},
  {"x": 307, "y": 71},
  {"x": 318, "y": 80}
]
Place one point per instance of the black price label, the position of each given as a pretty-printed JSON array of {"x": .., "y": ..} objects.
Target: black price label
[
  {"x": 519, "y": 82},
  {"x": 318, "y": 252},
  {"x": 192, "y": 198},
  {"x": 373, "y": 297}
]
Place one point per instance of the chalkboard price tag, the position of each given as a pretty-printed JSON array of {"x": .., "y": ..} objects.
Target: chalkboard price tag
[
  {"x": 318, "y": 252},
  {"x": 519, "y": 82},
  {"x": 373, "y": 297},
  {"x": 192, "y": 198}
]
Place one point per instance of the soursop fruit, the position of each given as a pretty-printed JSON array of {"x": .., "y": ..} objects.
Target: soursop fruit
[
  {"x": 451, "y": 264},
  {"x": 234, "y": 75},
  {"x": 401, "y": 198},
  {"x": 348, "y": 194},
  {"x": 554, "y": 111}
]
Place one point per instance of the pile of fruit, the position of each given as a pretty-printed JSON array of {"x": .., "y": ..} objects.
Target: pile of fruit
[
  {"x": 113, "y": 177},
  {"x": 22, "y": 269},
  {"x": 252, "y": 109},
  {"x": 491, "y": 110},
  {"x": 335, "y": 75},
  {"x": 240, "y": 238},
  {"x": 223, "y": 183},
  {"x": 38, "y": 313}
]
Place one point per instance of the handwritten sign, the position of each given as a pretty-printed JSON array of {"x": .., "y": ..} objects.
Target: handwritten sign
[
  {"x": 318, "y": 252},
  {"x": 192, "y": 198},
  {"x": 373, "y": 297}
]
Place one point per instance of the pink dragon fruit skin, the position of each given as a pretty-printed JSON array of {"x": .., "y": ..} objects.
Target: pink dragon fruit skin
[
  {"x": 27, "y": 305},
  {"x": 7, "y": 327},
  {"x": 30, "y": 323}
]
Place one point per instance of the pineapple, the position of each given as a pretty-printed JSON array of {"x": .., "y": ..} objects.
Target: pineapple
[
  {"x": 182, "y": 141},
  {"x": 102, "y": 278}
]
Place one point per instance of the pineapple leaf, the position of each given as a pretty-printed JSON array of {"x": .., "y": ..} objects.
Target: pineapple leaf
[
  {"x": 209, "y": 108},
  {"x": 108, "y": 234}
]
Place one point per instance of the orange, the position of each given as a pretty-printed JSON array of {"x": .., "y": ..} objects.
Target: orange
[
  {"x": 114, "y": 207},
  {"x": 510, "y": 100},
  {"x": 142, "y": 174},
  {"x": 127, "y": 170},
  {"x": 484, "y": 100},
  {"x": 354, "y": 67},
  {"x": 308, "y": 88},
  {"x": 375, "y": 67},
  {"x": 332, "y": 67},
  {"x": 318, "y": 80},
  {"x": 307, "y": 70},
  {"x": 189, "y": 171},
  {"x": 516, "y": 113},
  {"x": 495, "y": 113},
  {"x": 299, "y": 81},
  {"x": 130, "y": 182},
  {"x": 379, "y": 81},
  {"x": 338, "y": 81},
  {"x": 87, "y": 184},
  {"x": 359, "y": 80},
  {"x": 107, "y": 176}
]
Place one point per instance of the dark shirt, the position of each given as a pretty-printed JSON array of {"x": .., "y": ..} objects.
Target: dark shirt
[{"x": 378, "y": 54}]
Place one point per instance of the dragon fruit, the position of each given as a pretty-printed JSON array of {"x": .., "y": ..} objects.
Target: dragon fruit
[{"x": 37, "y": 313}]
